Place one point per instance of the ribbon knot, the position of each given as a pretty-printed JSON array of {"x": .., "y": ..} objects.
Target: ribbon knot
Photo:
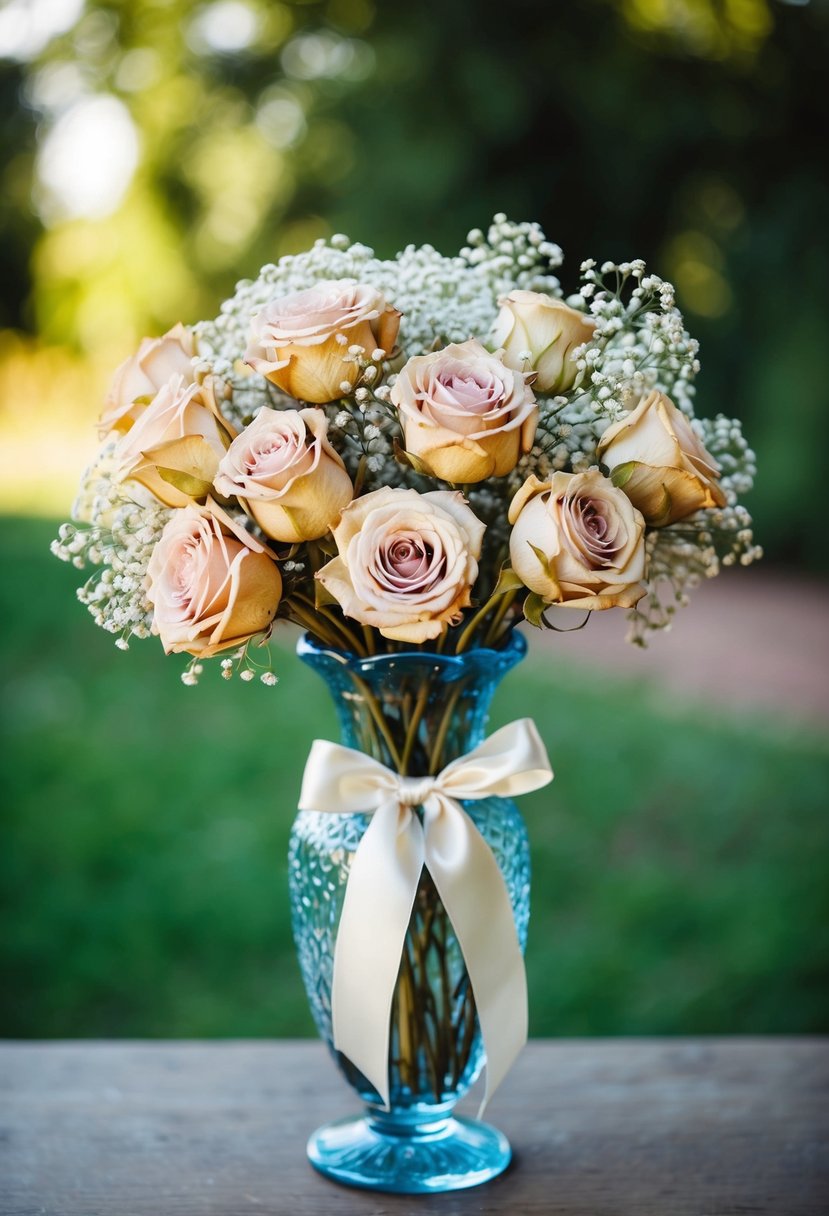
[
  {"x": 383, "y": 881},
  {"x": 413, "y": 791}
]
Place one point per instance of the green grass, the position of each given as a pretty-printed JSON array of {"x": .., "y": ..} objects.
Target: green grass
[{"x": 679, "y": 875}]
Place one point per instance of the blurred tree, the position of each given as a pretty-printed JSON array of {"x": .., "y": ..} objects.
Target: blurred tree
[{"x": 170, "y": 149}]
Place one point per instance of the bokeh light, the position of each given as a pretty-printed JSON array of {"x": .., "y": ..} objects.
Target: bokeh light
[{"x": 86, "y": 160}]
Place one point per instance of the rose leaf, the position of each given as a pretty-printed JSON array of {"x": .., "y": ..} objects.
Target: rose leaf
[
  {"x": 193, "y": 487},
  {"x": 622, "y": 474},
  {"x": 534, "y": 607}
]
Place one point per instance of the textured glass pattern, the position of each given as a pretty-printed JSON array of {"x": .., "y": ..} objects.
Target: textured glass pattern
[{"x": 415, "y": 712}]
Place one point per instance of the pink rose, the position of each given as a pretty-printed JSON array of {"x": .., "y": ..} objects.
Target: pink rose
[
  {"x": 539, "y": 333},
  {"x": 288, "y": 475},
  {"x": 175, "y": 447},
  {"x": 406, "y": 561},
  {"x": 211, "y": 584},
  {"x": 138, "y": 379},
  {"x": 466, "y": 415},
  {"x": 294, "y": 339},
  {"x": 577, "y": 540},
  {"x": 657, "y": 458}
]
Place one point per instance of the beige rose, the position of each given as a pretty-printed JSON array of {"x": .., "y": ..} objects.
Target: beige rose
[
  {"x": 578, "y": 541},
  {"x": 175, "y": 447},
  {"x": 138, "y": 379},
  {"x": 287, "y": 474},
  {"x": 406, "y": 561},
  {"x": 546, "y": 328},
  {"x": 655, "y": 456},
  {"x": 212, "y": 586},
  {"x": 294, "y": 339},
  {"x": 466, "y": 415}
]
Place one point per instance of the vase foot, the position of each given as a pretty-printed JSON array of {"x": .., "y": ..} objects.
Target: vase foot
[{"x": 459, "y": 1154}]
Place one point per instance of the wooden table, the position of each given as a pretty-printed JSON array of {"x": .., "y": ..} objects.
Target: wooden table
[{"x": 670, "y": 1127}]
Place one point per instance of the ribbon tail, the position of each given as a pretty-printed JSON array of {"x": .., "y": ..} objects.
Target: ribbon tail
[
  {"x": 476, "y": 899},
  {"x": 378, "y": 902}
]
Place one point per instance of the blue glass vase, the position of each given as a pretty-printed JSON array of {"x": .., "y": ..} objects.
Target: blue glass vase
[{"x": 415, "y": 712}]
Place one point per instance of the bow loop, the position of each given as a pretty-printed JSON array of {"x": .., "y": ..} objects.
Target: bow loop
[
  {"x": 511, "y": 762},
  {"x": 384, "y": 878}
]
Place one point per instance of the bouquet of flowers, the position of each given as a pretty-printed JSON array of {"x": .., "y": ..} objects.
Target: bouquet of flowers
[
  {"x": 420, "y": 452},
  {"x": 407, "y": 459}
]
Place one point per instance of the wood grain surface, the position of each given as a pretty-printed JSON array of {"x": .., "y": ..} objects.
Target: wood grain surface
[{"x": 623, "y": 1127}]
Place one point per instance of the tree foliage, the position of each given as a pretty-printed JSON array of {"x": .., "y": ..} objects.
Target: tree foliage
[{"x": 684, "y": 133}]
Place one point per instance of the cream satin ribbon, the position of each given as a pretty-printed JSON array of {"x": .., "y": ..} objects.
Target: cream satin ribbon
[{"x": 383, "y": 881}]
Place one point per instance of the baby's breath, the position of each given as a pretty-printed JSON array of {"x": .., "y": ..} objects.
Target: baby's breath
[
  {"x": 639, "y": 343},
  {"x": 116, "y": 533}
]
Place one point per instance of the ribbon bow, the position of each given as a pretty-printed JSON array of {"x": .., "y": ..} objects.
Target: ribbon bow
[{"x": 384, "y": 877}]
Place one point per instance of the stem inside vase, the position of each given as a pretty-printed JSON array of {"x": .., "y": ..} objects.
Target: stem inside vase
[{"x": 416, "y": 712}]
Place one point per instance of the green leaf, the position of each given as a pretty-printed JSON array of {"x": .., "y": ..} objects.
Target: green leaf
[
  {"x": 193, "y": 487},
  {"x": 622, "y": 474},
  {"x": 322, "y": 596},
  {"x": 414, "y": 462},
  {"x": 663, "y": 511},
  {"x": 534, "y": 607},
  {"x": 508, "y": 580},
  {"x": 292, "y": 519},
  {"x": 544, "y": 560}
]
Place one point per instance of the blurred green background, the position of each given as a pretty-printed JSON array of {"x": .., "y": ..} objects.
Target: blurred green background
[{"x": 152, "y": 153}]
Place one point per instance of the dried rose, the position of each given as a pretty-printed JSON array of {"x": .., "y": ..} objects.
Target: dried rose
[
  {"x": 546, "y": 329},
  {"x": 466, "y": 415},
  {"x": 294, "y": 339},
  {"x": 138, "y": 379},
  {"x": 175, "y": 447},
  {"x": 287, "y": 474},
  {"x": 577, "y": 540},
  {"x": 211, "y": 584},
  {"x": 406, "y": 561},
  {"x": 655, "y": 456}
]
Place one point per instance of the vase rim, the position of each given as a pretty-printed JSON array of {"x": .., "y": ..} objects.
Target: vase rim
[{"x": 505, "y": 657}]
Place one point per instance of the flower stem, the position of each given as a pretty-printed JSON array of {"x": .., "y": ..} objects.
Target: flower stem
[
  {"x": 377, "y": 714},
  {"x": 414, "y": 723},
  {"x": 480, "y": 615},
  {"x": 492, "y": 634}
]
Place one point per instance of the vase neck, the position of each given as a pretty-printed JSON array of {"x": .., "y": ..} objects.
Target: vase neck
[{"x": 414, "y": 712}]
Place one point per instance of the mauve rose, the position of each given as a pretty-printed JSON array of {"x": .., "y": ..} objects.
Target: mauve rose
[
  {"x": 211, "y": 584},
  {"x": 466, "y": 415},
  {"x": 175, "y": 447},
  {"x": 547, "y": 329},
  {"x": 294, "y": 338},
  {"x": 657, "y": 458},
  {"x": 578, "y": 541},
  {"x": 285, "y": 471},
  {"x": 138, "y": 379},
  {"x": 406, "y": 561}
]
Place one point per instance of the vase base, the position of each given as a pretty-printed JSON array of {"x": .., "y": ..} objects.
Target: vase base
[{"x": 461, "y": 1153}]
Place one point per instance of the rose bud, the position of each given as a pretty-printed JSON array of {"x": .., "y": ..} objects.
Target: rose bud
[
  {"x": 294, "y": 338},
  {"x": 406, "y": 562},
  {"x": 655, "y": 456},
  {"x": 286, "y": 474},
  {"x": 466, "y": 415},
  {"x": 211, "y": 584},
  {"x": 175, "y": 447},
  {"x": 139, "y": 378},
  {"x": 549, "y": 330},
  {"x": 578, "y": 541}
]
